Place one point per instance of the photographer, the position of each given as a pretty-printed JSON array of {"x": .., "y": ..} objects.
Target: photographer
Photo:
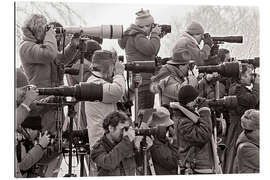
[
  {"x": 193, "y": 131},
  {"x": 191, "y": 40},
  {"x": 248, "y": 144},
  {"x": 27, "y": 154},
  {"x": 114, "y": 152},
  {"x": 174, "y": 75},
  {"x": 141, "y": 42},
  {"x": 108, "y": 71},
  {"x": 163, "y": 151},
  {"x": 247, "y": 92},
  {"x": 41, "y": 61}
]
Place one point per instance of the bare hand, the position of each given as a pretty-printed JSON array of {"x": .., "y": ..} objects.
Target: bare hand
[
  {"x": 44, "y": 140},
  {"x": 30, "y": 94}
]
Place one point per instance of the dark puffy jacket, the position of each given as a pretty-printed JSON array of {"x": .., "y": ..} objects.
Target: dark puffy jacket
[
  {"x": 247, "y": 156},
  {"x": 195, "y": 137},
  {"x": 164, "y": 156},
  {"x": 114, "y": 160}
]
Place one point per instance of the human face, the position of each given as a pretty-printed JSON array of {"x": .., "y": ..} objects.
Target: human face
[
  {"x": 146, "y": 28},
  {"x": 116, "y": 133},
  {"x": 227, "y": 57},
  {"x": 191, "y": 105},
  {"x": 199, "y": 38},
  {"x": 247, "y": 77},
  {"x": 184, "y": 68},
  {"x": 33, "y": 133}
]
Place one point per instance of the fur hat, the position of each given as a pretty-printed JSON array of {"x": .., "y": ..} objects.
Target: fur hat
[
  {"x": 180, "y": 56},
  {"x": 161, "y": 117},
  {"x": 21, "y": 78},
  {"x": 143, "y": 18},
  {"x": 187, "y": 94},
  {"x": 250, "y": 120},
  {"x": 195, "y": 28}
]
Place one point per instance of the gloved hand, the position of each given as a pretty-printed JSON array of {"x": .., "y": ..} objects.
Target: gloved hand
[
  {"x": 119, "y": 68},
  {"x": 208, "y": 40}
]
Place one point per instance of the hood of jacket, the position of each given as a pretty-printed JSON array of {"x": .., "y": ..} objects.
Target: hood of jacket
[
  {"x": 27, "y": 35},
  {"x": 133, "y": 30},
  {"x": 251, "y": 137}
]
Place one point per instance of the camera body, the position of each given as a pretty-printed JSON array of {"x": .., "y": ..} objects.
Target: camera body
[{"x": 165, "y": 28}]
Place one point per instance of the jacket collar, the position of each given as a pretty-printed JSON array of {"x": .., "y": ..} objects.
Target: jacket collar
[{"x": 190, "y": 37}]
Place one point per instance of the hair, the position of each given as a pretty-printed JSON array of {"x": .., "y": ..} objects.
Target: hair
[
  {"x": 34, "y": 23},
  {"x": 113, "y": 119},
  {"x": 244, "y": 68},
  {"x": 222, "y": 54}
]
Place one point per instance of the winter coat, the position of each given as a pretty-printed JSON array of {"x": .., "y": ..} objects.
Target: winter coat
[
  {"x": 194, "y": 138},
  {"x": 27, "y": 158},
  {"x": 96, "y": 111},
  {"x": 247, "y": 156},
  {"x": 114, "y": 160},
  {"x": 207, "y": 89},
  {"x": 140, "y": 48},
  {"x": 188, "y": 42},
  {"x": 164, "y": 156},
  {"x": 247, "y": 99},
  {"x": 44, "y": 66}
]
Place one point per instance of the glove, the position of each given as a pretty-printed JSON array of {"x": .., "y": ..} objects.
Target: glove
[{"x": 208, "y": 40}]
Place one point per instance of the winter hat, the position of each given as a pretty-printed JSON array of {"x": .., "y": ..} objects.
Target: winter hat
[
  {"x": 35, "y": 24},
  {"x": 187, "y": 94},
  {"x": 143, "y": 18},
  {"x": 250, "y": 120},
  {"x": 21, "y": 78},
  {"x": 91, "y": 47},
  {"x": 161, "y": 117},
  {"x": 103, "y": 58},
  {"x": 195, "y": 28},
  {"x": 180, "y": 56},
  {"x": 32, "y": 122}
]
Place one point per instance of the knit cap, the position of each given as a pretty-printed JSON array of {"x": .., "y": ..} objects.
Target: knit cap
[
  {"x": 103, "y": 57},
  {"x": 250, "y": 120},
  {"x": 187, "y": 94},
  {"x": 195, "y": 28},
  {"x": 143, "y": 18},
  {"x": 180, "y": 56}
]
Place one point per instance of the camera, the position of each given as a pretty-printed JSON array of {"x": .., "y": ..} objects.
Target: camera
[
  {"x": 141, "y": 67},
  {"x": 227, "y": 69},
  {"x": 228, "y": 39},
  {"x": 255, "y": 61},
  {"x": 226, "y": 101},
  {"x": 82, "y": 91},
  {"x": 165, "y": 29},
  {"x": 103, "y": 31}
]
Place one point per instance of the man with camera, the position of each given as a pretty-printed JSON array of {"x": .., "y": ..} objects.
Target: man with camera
[
  {"x": 193, "y": 132},
  {"x": 246, "y": 89},
  {"x": 177, "y": 73},
  {"x": 41, "y": 60},
  {"x": 107, "y": 71},
  {"x": 114, "y": 151},
  {"x": 141, "y": 42},
  {"x": 191, "y": 40},
  {"x": 163, "y": 151},
  {"x": 27, "y": 153}
]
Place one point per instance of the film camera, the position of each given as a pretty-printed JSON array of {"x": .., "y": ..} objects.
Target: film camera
[
  {"x": 165, "y": 29},
  {"x": 103, "y": 31},
  {"x": 82, "y": 91},
  {"x": 227, "y": 69}
]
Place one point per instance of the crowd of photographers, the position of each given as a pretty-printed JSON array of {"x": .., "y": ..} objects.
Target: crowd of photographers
[{"x": 205, "y": 122}]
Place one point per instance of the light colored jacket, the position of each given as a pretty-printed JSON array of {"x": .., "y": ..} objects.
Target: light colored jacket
[
  {"x": 97, "y": 111},
  {"x": 188, "y": 42}
]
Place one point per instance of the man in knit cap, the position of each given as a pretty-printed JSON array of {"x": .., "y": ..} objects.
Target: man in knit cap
[
  {"x": 191, "y": 40},
  {"x": 193, "y": 132},
  {"x": 248, "y": 146},
  {"x": 141, "y": 42},
  {"x": 108, "y": 71}
]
